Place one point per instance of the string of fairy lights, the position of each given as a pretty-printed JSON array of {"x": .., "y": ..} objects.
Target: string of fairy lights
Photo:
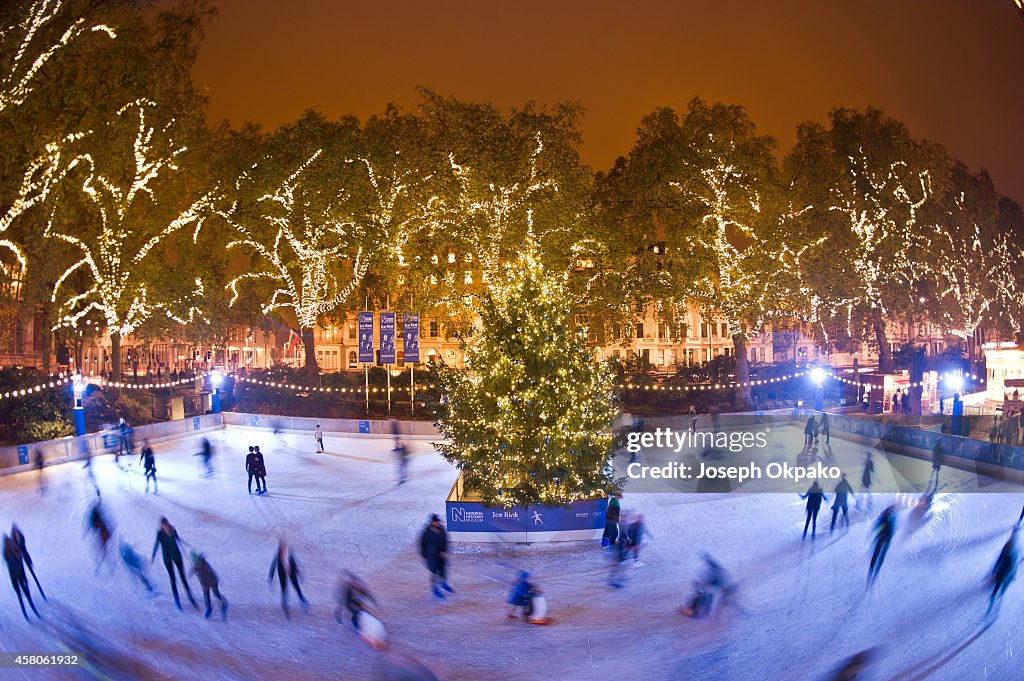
[
  {"x": 60, "y": 380},
  {"x": 63, "y": 379}
]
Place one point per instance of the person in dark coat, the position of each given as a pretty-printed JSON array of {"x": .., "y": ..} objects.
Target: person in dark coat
[
  {"x": 261, "y": 470},
  {"x": 287, "y": 569},
  {"x": 1004, "y": 571},
  {"x": 814, "y": 497},
  {"x": 99, "y": 524},
  {"x": 434, "y": 549},
  {"x": 209, "y": 581},
  {"x": 635, "y": 537},
  {"x": 843, "y": 491},
  {"x": 938, "y": 457},
  {"x": 16, "y": 569},
  {"x": 885, "y": 528},
  {"x": 168, "y": 541},
  {"x": 810, "y": 428},
  {"x": 19, "y": 541},
  {"x": 611, "y": 521},
  {"x": 825, "y": 425},
  {"x": 206, "y": 454},
  {"x": 519, "y": 596},
  {"x": 148, "y": 462},
  {"x": 39, "y": 462},
  {"x": 252, "y": 468},
  {"x": 355, "y": 597}
]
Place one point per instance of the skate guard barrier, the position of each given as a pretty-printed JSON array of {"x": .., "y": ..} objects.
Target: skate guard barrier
[
  {"x": 18, "y": 459},
  {"x": 365, "y": 427},
  {"x": 468, "y": 520},
  {"x": 1000, "y": 461}
]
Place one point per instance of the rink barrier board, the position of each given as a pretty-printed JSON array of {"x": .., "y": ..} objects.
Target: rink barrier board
[
  {"x": 471, "y": 521},
  {"x": 302, "y": 424},
  {"x": 70, "y": 449}
]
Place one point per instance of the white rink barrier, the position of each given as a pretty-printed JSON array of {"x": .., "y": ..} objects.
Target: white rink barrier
[
  {"x": 19, "y": 458},
  {"x": 356, "y": 427}
]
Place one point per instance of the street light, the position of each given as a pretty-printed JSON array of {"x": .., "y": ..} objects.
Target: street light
[
  {"x": 818, "y": 376},
  {"x": 216, "y": 378},
  {"x": 78, "y": 391},
  {"x": 955, "y": 383}
]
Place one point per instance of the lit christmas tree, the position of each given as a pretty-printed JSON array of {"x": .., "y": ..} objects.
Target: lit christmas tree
[{"x": 530, "y": 419}]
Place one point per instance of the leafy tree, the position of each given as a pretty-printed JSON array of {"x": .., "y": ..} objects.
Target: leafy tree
[{"x": 131, "y": 200}]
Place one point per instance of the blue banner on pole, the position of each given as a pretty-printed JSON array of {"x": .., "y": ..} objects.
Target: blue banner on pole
[
  {"x": 411, "y": 337},
  {"x": 365, "y": 336},
  {"x": 387, "y": 337}
]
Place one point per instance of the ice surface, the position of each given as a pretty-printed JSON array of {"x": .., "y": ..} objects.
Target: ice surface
[{"x": 801, "y": 607}]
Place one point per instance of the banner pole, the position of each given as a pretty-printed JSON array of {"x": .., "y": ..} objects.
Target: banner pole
[
  {"x": 412, "y": 389},
  {"x": 366, "y": 367},
  {"x": 388, "y": 368}
]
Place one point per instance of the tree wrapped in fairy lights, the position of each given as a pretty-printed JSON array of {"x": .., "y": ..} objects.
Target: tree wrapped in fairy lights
[{"x": 530, "y": 420}]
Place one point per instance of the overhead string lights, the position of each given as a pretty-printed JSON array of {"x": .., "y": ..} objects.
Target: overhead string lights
[{"x": 295, "y": 387}]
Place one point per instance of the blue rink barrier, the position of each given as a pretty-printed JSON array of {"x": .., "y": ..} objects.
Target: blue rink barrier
[{"x": 471, "y": 521}]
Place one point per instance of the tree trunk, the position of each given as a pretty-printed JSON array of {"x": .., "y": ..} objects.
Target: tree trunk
[
  {"x": 45, "y": 337},
  {"x": 739, "y": 344},
  {"x": 115, "y": 356},
  {"x": 884, "y": 352},
  {"x": 312, "y": 368}
]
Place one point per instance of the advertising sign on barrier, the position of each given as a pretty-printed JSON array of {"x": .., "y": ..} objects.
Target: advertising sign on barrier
[
  {"x": 364, "y": 427},
  {"x": 473, "y": 516},
  {"x": 23, "y": 455},
  {"x": 254, "y": 420},
  {"x": 195, "y": 423}
]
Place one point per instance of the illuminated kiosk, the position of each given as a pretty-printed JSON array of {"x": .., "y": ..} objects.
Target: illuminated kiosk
[
  {"x": 469, "y": 520},
  {"x": 1004, "y": 368}
]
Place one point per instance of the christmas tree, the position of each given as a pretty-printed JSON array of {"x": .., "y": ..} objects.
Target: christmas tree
[{"x": 530, "y": 418}]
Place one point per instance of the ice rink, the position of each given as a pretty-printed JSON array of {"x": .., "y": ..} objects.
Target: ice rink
[{"x": 800, "y": 608}]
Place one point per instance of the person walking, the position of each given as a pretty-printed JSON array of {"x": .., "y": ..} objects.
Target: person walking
[
  {"x": 693, "y": 419},
  {"x": 206, "y": 454},
  {"x": 611, "y": 521},
  {"x": 814, "y": 497},
  {"x": 354, "y": 596},
  {"x": 99, "y": 524},
  {"x": 842, "y": 491},
  {"x": 39, "y": 463},
  {"x": 885, "y": 528},
  {"x": 252, "y": 468},
  {"x": 168, "y": 542},
  {"x": 635, "y": 533},
  {"x": 434, "y": 549},
  {"x": 1004, "y": 571},
  {"x": 19, "y": 541},
  {"x": 810, "y": 429},
  {"x": 286, "y": 567},
  {"x": 16, "y": 570},
  {"x": 209, "y": 581},
  {"x": 938, "y": 457},
  {"x": 867, "y": 478},
  {"x": 261, "y": 471},
  {"x": 401, "y": 451},
  {"x": 318, "y": 435},
  {"x": 148, "y": 462},
  {"x": 825, "y": 425}
]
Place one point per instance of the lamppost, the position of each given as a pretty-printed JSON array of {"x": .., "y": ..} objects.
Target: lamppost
[
  {"x": 78, "y": 391},
  {"x": 216, "y": 377},
  {"x": 955, "y": 382},
  {"x": 818, "y": 376}
]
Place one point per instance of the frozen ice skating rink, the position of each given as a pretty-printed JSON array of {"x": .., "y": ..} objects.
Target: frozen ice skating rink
[{"x": 801, "y": 607}]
